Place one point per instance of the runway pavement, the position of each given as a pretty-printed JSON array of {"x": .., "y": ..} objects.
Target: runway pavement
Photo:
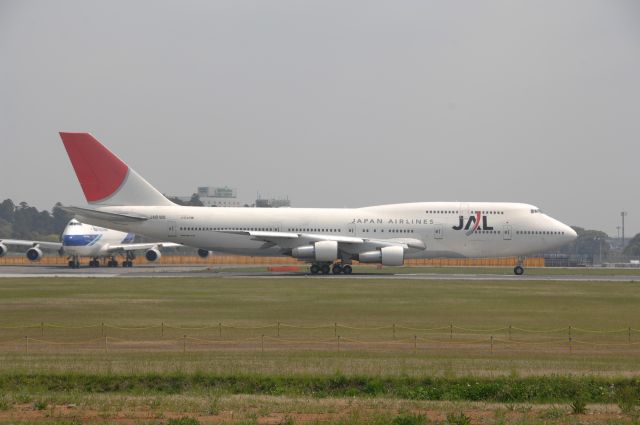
[{"x": 227, "y": 271}]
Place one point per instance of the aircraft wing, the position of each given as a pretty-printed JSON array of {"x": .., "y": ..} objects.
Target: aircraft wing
[
  {"x": 141, "y": 246},
  {"x": 32, "y": 244},
  {"x": 289, "y": 240}
]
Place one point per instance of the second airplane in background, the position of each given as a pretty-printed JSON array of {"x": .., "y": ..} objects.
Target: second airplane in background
[{"x": 85, "y": 240}]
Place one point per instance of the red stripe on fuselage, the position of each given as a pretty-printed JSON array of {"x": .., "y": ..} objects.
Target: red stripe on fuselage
[
  {"x": 99, "y": 171},
  {"x": 477, "y": 223}
]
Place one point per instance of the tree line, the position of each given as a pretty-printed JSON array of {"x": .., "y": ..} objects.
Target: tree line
[{"x": 23, "y": 221}]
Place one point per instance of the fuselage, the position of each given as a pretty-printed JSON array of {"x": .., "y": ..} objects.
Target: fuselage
[
  {"x": 445, "y": 229},
  {"x": 86, "y": 240}
]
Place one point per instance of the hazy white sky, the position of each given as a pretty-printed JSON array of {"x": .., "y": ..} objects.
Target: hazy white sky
[{"x": 333, "y": 103}]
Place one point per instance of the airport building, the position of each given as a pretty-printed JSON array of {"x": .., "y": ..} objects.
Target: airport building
[
  {"x": 272, "y": 202},
  {"x": 213, "y": 196},
  {"x": 224, "y": 196}
]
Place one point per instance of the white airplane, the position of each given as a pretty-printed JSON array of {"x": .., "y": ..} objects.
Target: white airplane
[
  {"x": 85, "y": 240},
  {"x": 328, "y": 238}
]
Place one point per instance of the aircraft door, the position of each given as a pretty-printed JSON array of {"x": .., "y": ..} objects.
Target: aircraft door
[
  {"x": 506, "y": 233},
  {"x": 438, "y": 231},
  {"x": 172, "y": 229}
]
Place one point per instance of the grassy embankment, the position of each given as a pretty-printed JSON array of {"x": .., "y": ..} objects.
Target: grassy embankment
[{"x": 205, "y": 373}]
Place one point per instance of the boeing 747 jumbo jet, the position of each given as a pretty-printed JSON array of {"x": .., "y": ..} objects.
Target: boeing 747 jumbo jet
[
  {"x": 84, "y": 240},
  {"x": 328, "y": 238}
]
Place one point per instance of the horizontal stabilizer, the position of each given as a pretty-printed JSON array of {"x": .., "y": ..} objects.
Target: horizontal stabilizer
[{"x": 89, "y": 214}]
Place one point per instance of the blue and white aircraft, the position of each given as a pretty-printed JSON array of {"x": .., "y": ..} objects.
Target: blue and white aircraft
[{"x": 84, "y": 240}]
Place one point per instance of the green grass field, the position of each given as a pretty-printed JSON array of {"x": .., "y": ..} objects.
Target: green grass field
[
  {"x": 294, "y": 367},
  {"x": 370, "y": 302}
]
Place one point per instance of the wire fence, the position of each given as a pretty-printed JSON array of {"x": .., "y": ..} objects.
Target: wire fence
[{"x": 163, "y": 336}]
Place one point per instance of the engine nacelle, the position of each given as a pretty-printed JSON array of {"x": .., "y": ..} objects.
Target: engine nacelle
[
  {"x": 321, "y": 251},
  {"x": 3, "y": 250},
  {"x": 203, "y": 253},
  {"x": 152, "y": 254},
  {"x": 34, "y": 254},
  {"x": 387, "y": 256}
]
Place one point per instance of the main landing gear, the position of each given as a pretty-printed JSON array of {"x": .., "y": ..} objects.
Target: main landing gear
[
  {"x": 518, "y": 270},
  {"x": 128, "y": 261},
  {"x": 94, "y": 262},
  {"x": 326, "y": 268}
]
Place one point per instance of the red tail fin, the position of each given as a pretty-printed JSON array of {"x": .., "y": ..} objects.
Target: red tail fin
[
  {"x": 99, "y": 171},
  {"x": 105, "y": 178}
]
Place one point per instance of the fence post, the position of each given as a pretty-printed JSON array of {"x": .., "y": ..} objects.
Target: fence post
[
  {"x": 102, "y": 329},
  {"x": 451, "y": 331},
  {"x": 41, "y": 328},
  {"x": 105, "y": 344},
  {"x": 509, "y": 331},
  {"x": 335, "y": 328},
  {"x": 220, "y": 329},
  {"x": 415, "y": 344},
  {"x": 569, "y": 331},
  {"x": 162, "y": 330},
  {"x": 570, "y": 347},
  {"x": 278, "y": 333},
  {"x": 338, "y": 337}
]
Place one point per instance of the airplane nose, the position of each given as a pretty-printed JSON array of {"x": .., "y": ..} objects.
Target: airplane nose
[{"x": 570, "y": 234}]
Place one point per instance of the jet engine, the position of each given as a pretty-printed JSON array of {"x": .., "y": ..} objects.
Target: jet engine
[
  {"x": 152, "y": 254},
  {"x": 388, "y": 256},
  {"x": 3, "y": 250},
  {"x": 203, "y": 253},
  {"x": 322, "y": 251},
  {"x": 34, "y": 254}
]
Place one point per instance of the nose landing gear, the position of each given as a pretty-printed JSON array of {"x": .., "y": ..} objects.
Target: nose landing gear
[
  {"x": 74, "y": 263},
  {"x": 518, "y": 270}
]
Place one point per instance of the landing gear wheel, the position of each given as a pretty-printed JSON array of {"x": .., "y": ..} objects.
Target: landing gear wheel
[
  {"x": 325, "y": 269},
  {"x": 112, "y": 263},
  {"x": 314, "y": 269},
  {"x": 127, "y": 263},
  {"x": 337, "y": 269},
  {"x": 518, "y": 270},
  {"x": 347, "y": 269}
]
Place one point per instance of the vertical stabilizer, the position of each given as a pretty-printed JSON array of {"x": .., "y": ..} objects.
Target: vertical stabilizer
[{"x": 105, "y": 179}]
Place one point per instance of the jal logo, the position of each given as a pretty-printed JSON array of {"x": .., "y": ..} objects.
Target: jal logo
[{"x": 473, "y": 223}]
